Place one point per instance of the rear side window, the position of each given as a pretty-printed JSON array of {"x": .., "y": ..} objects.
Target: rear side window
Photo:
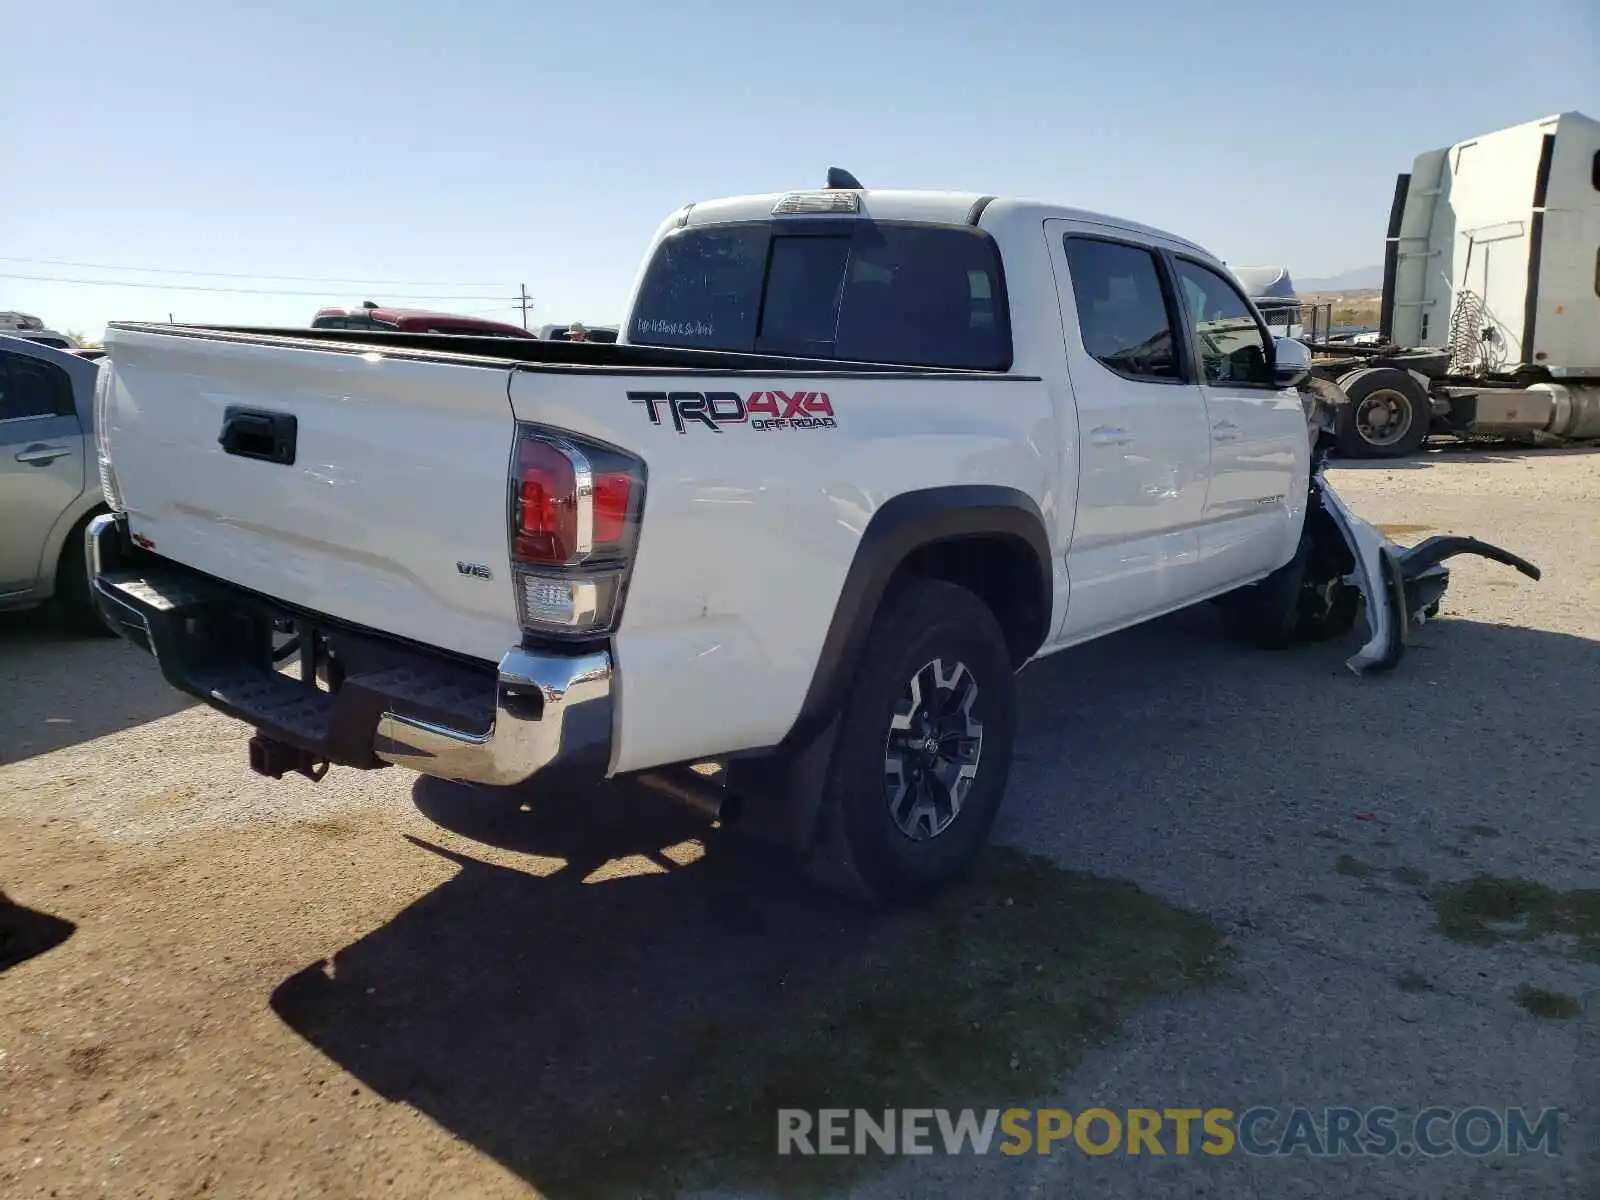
[
  {"x": 1123, "y": 312},
  {"x": 30, "y": 388},
  {"x": 1229, "y": 343},
  {"x": 920, "y": 295},
  {"x": 863, "y": 291}
]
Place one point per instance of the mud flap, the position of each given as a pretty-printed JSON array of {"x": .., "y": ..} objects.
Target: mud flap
[{"x": 1400, "y": 587}]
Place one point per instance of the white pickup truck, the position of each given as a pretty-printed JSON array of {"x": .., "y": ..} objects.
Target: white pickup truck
[{"x": 857, "y": 458}]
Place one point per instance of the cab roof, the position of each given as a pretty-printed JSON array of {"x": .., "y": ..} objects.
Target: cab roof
[{"x": 923, "y": 207}]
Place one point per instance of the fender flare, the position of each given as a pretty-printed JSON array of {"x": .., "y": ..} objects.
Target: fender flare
[{"x": 901, "y": 526}]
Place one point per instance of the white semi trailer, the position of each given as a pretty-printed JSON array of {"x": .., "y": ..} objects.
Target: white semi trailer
[{"x": 1490, "y": 323}]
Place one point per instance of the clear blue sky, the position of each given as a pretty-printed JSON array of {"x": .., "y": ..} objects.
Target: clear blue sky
[{"x": 495, "y": 142}]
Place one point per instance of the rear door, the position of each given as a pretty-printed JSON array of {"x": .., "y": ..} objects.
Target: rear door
[
  {"x": 370, "y": 487},
  {"x": 1144, "y": 442},
  {"x": 1257, "y": 431},
  {"x": 41, "y": 464}
]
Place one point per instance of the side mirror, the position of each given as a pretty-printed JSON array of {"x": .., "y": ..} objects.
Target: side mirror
[{"x": 1291, "y": 362}]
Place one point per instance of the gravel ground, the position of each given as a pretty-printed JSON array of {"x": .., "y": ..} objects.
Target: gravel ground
[{"x": 381, "y": 985}]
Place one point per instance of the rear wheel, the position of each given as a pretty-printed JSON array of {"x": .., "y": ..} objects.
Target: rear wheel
[
  {"x": 74, "y": 599},
  {"x": 1387, "y": 415},
  {"x": 923, "y": 749}
]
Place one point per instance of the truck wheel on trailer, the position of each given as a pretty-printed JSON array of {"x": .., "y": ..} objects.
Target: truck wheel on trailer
[{"x": 1387, "y": 415}]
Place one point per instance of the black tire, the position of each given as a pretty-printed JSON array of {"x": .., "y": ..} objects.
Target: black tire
[
  {"x": 74, "y": 602},
  {"x": 940, "y": 641},
  {"x": 1388, "y": 414},
  {"x": 1280, "y": 611},
  {"x": 1267, "y": 613}
]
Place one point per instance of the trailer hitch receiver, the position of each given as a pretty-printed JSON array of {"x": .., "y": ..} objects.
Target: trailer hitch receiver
[{"x": 275, "y": 759}]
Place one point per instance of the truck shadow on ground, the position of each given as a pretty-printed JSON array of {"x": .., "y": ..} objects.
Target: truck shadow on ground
[
  {"x": 60, "y": 688},
  {"x": 27, "y": 933},
  {"x": 624, "y": 1010},
  {"x": 630, "y": 1021}
]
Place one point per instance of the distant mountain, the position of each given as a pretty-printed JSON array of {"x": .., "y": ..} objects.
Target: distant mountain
[{"x": 1345, "y": 281}]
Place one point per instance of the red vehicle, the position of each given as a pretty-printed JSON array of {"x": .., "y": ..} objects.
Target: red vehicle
[{"x": 413, "y": 320}]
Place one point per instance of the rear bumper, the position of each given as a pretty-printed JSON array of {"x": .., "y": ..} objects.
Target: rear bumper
[
  {"x": 550, "y": 711},
  {"x": 537, "y": 711}
]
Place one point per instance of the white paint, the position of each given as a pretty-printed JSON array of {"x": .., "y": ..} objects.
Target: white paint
[
  {"x": 401, "y": 472},
  {"x": 747, "y": 533}
]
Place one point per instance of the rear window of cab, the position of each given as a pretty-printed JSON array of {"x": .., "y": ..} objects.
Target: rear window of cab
[{"x": 861, "y": 291}]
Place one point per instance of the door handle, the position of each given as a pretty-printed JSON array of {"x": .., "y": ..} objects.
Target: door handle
[
  {"x": 1224, "y": 431},
  {"x": 39, "y": 455},
  {"x": 1107, "y": 435}
]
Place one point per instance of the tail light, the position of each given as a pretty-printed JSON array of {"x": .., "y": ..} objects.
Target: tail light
[
  {"x": 575, "y": 509},
  {"x": 102, "y": 437}
]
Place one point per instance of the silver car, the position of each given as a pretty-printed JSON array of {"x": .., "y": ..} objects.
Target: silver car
[{"x": 49, "y": 483}]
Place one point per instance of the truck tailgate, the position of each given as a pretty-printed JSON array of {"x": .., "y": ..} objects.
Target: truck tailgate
[{"x": 392, "y": 514}]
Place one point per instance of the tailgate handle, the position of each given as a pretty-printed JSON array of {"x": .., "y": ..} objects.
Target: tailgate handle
[{"x": 256, "y": 433}]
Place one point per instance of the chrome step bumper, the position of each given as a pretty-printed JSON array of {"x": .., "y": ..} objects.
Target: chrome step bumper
[
  {"x": 538, "y": 710},
  {"x": 549, "y": 710}
]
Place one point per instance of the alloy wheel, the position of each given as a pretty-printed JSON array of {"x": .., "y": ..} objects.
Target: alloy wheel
[{"x": 932, "y": 750}]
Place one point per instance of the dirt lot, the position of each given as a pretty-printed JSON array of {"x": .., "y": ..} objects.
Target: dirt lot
[{"x": 1225, "y": 880}]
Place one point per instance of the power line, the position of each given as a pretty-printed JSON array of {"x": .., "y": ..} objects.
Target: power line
[
  {"x": 484, "y": 312},
  {"x": 61, "y": 262},
  {"x": 196, "y": 287}
]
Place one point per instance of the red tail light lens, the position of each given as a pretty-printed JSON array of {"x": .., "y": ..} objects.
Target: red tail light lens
[
  {"x": 574, "y": 515},
  {"x": 612, "y": 492},
  {"x": 547, "y": 504}
]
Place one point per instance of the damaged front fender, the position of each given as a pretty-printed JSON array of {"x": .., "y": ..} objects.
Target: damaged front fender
[{"x": 1399, "y": 587}]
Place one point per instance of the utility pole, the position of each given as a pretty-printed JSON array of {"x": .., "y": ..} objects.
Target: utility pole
[{"x": 525, "y": 305}]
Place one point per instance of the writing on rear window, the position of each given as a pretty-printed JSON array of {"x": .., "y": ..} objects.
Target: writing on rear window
[{"x": 655, "y": 327}]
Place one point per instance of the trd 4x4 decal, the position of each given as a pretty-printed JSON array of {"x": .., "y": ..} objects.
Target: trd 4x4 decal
[{"x": 760, "y": 410}]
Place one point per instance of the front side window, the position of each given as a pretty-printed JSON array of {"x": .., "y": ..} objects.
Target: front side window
[
  {"x": 28, "y": 387},
  {"x": 859, "y": 291},
  {"x": 1229, "y": 342},
  {"x": 1122, "y": 309}
]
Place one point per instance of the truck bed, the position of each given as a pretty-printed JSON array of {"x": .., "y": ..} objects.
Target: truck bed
[
  {"x": 554, "y": 356},
  {"x": 385, "y": 509}
]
